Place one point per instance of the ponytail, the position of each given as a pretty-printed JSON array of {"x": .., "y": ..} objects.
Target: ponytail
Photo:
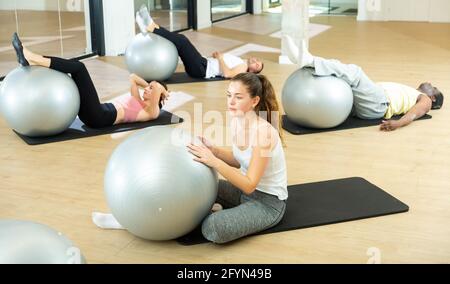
[{"x": 260, "y": 86}]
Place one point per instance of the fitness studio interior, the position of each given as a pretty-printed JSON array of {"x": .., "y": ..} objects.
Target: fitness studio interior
[{"x": 224, "y": 131}]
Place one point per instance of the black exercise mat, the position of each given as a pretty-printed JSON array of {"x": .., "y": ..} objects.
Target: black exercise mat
[
  {"x": 351, "y": 122},
  {"x": 183, "y": 77},
  {"x": 78, "y": 130},
  {"x": 324, "y": 203}
]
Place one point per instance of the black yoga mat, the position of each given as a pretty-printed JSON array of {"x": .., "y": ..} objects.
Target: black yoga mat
[
  {"x": 351, "y": 122},
  {"x": 183, "y": 77},
  {"x": 324, "y": 203},
  {"x": 78, "y": 130}
]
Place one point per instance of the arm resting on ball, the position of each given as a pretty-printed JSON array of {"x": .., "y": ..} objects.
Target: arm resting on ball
[{"x": 226, "y": 156}]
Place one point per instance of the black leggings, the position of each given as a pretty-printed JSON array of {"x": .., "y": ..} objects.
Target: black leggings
[
  {"x": 92, "y": 113},
  {"x": 194, "y": 63}
]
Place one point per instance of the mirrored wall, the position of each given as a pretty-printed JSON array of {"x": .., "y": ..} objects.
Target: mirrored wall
[
  {"x": 170, "y": 14},
  {"x": 274, "y": 3},
  {"x": 223, "y": 9},
  {"x": 336, "y": 7},
  {"x": 50, "y": 27}
]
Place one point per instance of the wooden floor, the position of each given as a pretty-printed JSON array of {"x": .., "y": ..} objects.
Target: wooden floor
[{"x": 61, "y": 184}]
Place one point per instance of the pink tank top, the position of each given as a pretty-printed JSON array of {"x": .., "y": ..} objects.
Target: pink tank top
[{"x": 131, "y": 107}]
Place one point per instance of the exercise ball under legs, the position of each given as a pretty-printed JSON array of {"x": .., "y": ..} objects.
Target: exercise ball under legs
[
  {"x": 37, "y": 101},
  {"x": 316, "y": 102},
  {"x": 153, "y": 186},
  {"x": 151, "y": 57}
]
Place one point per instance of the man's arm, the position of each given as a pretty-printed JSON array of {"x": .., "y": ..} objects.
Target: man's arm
[
  {"x": 422, "y": 107},
  {"x": 227, "y": 72}
]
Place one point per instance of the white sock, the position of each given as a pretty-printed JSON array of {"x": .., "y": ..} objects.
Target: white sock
[
  {"x": 307, "y": 57},
  {"x": 216, "y": 207},
  {"x": 105, "y": 221},
  {"x": 141, "y": 24},
  {"x": 145, "y": 14},
  {"x": 143, "y": 19}
]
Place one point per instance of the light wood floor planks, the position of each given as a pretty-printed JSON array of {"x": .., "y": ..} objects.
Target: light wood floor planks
[{"x": 61, "y": 184}]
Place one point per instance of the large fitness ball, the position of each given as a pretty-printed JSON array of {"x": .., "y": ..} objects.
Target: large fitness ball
[
  {"x": 38, "y": 101},
  {"x": 316, "y": 102},
  {"x": 24, "y": 242},
  {"x": 153, "y": 186},
  {"x": 151, "y": 57}
]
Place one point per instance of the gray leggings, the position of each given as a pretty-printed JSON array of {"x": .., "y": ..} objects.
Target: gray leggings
[
  {"x": 243, "y": 215},
  {"x": 369, "y": 99}
]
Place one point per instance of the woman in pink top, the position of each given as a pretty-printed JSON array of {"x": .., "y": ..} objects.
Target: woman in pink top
[
  {"x": 93, "y": 113},
  {"x": 134, "y": 108}
]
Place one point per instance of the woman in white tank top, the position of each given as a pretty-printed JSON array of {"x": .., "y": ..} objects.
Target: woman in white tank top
[{"x": 254, "y": 193}]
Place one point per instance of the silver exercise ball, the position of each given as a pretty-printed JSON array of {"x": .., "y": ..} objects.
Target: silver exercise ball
[
  {"x": 37, "y": 101},
  {"x": 153, "y": 186},
  {"x": 24, "y": 242},
  {"x": 151, "y": 57},
  {"x": 316, "y": 102}
]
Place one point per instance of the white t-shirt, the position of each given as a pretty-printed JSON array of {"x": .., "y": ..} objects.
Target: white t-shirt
[{"x": 213, "y": 67}]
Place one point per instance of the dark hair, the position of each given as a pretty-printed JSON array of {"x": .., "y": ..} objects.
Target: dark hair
[
  {"x": 259, "y": 71},
  {"x": 262, "y": 67},
  {"x": 260, "y": 86},
  {"x": 161, "y": 99},
  {"x": 163, "y": 84},
  {"x": 429, "y": 90},
  {"x": 439, "y": 101}
]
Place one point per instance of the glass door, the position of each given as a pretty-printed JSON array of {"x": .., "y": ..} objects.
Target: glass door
[
  {"x": 224, "y": 9},
  {"x": 337, "y": 7},
  {"x": 274, "y": 3}
]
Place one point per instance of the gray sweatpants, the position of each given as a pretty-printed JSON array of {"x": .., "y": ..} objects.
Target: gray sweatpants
[
  {"x": 369, "y": 99},
  {"x": 242, "y": 215}
]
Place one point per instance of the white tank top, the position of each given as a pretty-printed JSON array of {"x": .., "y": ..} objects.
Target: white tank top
[
  {"x": 213, "y": 66},
  {"x": 274, "y": 180}
]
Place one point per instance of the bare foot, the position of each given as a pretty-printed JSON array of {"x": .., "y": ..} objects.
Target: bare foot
[
  {"x": 152, "y": 27},
  {"x": 36, "y": 59},
  {"x": 30, "y": 56},
  {"x": 216, "y": 207}
]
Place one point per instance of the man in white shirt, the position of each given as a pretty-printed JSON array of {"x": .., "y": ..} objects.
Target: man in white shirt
[{"x": 197, "y": 66}]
